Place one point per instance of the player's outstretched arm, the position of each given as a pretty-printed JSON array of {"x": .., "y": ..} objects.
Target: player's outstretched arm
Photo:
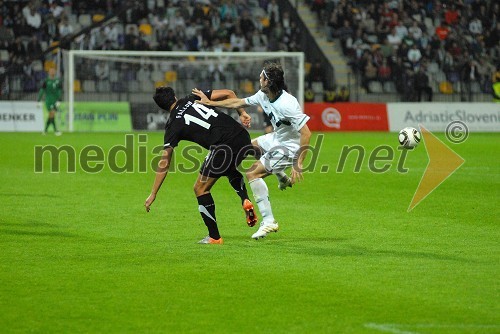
[
  {"x": 230, "y": 103},
  {"x": 305, "y": 136},
  {"x": 161, "y": 174},
  {"x": 224, "y": 94}
]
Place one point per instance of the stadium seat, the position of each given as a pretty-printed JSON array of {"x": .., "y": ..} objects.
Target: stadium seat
[
  {"x": 77, "y": 86},
  {"x": 118, "y": 87},
  {"x": 157, "y": 76},
  {"x": 133, "y": 86},
  {"x": 16, "y": 84},
  {"x": 389, "y": 87},
  {"x": 4, "y": 55},
  {"x": 439, "y": 76},
  {"x": 307, "y": 67},
  {"x": 89, "y": 86},
  {"x": 171, "y": 76},
  {"x": 445, "y": 87},
  {"x": 375, "y": 87},
  {"x": 73, "y": 19},
  {"x": 247, "y": 86},
  {"x": 113, "y": 75},
  {"x": 103, "y": 86},
  {"x": 37, "y": 66},
  {"x": 317, "y": 87},
  {"x": 85, "y": 20},
  {"x": 160, "y": 84},
  {"x": 433, "y": 67},
  {"x": 147, "y": 87},
  {"x": 146, "y": 29},
  {"x": 475, "y": 87},
  {"x": 97, "y": 18}
]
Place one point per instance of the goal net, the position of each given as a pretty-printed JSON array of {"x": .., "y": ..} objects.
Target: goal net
[{"x": 102, "y": 85}]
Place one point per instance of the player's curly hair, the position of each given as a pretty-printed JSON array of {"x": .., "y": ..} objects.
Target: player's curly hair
[
  {"x": 274, "y": 73},
  {"x": 164, "y": 97}
]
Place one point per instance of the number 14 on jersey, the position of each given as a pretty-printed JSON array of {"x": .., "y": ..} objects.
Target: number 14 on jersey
[{"x": 204, "y": 112}]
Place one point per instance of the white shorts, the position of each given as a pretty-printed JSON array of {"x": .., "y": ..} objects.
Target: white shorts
[{"x": 275, "y": 157}]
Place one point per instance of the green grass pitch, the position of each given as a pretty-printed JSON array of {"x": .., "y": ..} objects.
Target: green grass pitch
[{"x": 79, "y": 254}]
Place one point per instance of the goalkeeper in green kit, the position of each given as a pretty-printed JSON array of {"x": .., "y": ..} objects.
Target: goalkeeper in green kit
[{"x": 52, "y": 89}]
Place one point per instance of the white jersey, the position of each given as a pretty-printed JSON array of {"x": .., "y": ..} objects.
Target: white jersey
[{"x": 286, "y": 117}]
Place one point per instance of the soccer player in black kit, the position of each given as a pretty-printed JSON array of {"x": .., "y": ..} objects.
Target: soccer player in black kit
[{"x": 228, "y": 141}]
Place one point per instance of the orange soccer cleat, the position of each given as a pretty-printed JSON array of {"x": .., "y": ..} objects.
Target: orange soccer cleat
[{"x": 250, "y": 213}]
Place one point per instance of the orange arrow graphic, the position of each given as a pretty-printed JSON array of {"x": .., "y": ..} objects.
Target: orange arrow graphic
[{"x": 442, "y": 163}]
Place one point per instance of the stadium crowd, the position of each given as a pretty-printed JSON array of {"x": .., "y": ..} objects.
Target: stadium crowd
[
  {"x": 28, "y": 27},
  {"x": 417, "y": 46}
]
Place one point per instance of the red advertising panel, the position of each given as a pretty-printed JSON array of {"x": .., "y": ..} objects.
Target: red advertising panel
[{"x": 347, "y": 116}]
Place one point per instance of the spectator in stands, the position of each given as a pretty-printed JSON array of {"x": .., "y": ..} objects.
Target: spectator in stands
[
  {"x": 343, "y": 95},
  {"x": 228, "y": 9},
  {"x": 64, "y": 27},
  {"x": 258, "y": 41},
  {"x": 344, "y": 33},
  {"x": 246, "y": 24},
  {"x": 442, "y": 31},
  {"x": 129, "y": 37},
  {"x": 177, "y": 21},
  {"x": 451, "y": 15},
  {"x": 102, "y": 71},
  {"x": 33, "y": 18},
  {"x": 55, "y": 9},
  {"x": 112, "y": 35},
  {"x": 34, "y": 48},
  {"x": 469, "y": 74},
  {"x": 476, "y": 26},
  {"x": 495, "y": 84},
  {"x": 198, "y": 15},
  {"x": 422, "y": 84},
  {"x": 237, "y": 40},
  {"x": 17, "y": 51},
  {"x": 384, "y": 72},
  {"x": 415, "y": 32},
  {"x": 369, "y": 74},
  {"x": 273, "y": 11},
  {"x": 414, "y": 55},
  {"x": 401, "y": 30},
  {"x": 317, "y": 74},
  {"x": 394, "y": 39}
]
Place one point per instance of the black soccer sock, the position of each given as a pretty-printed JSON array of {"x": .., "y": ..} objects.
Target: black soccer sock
[
  {"x": 238, "y": 183},
  {"x": 47, "y": 124},
  {"x": 206, "y": 206}
]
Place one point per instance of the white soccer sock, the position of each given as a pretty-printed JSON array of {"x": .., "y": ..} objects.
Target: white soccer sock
[
  {"x": 261, "y": 195},
  {"x": 280, "y": 175}
]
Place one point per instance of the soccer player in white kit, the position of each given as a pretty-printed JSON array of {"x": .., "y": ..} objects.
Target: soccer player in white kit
[{"x": 283, "y": 148}]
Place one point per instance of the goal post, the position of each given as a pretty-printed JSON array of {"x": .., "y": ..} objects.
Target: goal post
[{"x": 131, "y": 76}]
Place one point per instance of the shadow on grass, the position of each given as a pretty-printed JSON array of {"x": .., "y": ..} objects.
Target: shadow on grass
[
  {"x": 29, "y": 195},
  {"x": 336, "y": 247},
  {"x": 37, "y": 234},
  {"x": 31, "y": 223}
]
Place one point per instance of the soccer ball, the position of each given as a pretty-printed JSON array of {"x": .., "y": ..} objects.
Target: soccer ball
[{"x": 409, "y": 137}]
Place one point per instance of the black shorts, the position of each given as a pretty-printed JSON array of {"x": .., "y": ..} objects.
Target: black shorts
[{"x": 223, "y": 159}]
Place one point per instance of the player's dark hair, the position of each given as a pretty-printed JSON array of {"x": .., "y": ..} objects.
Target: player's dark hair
[
  {"x": 274, "y": 73},
  {"x": 164, "y": 97}
]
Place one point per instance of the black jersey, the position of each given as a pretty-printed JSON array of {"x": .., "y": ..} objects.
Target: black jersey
[{"x": 199, "y": 124}]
